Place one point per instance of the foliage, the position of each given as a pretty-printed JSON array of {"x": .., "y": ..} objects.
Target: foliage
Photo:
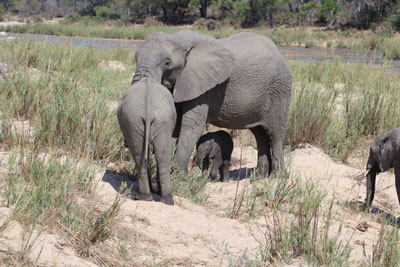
[
  {"x": 190, "y": 186},
  {"x": 395, "y": 20},
  {"x": 1, "y": 13},
  {"x": 387, "y": 247},
  {"x": 298, "y": 219},
  {"x": 328, "y": 10}
]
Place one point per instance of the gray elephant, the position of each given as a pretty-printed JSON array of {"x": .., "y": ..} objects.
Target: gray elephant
[
  {"x": 384, "y": 154},
  {"x": 147, "y": 119},
  {"x": 239, "y": 82},
  {"x": 217, "y": 147}
]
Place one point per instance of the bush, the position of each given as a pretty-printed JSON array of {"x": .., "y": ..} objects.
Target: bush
[
  {"x": 1, "y": 14},
  {"x": 37, "y": 19},
  {"x": 105, "y": 12},
  {"x": 395, "y": 20},
  {"x": 328, "y": 10}
]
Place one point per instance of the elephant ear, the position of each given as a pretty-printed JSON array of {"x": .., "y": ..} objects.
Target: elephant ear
[
  {"x": 207, "y": 64},
  {"x": 388, "y": 150}
]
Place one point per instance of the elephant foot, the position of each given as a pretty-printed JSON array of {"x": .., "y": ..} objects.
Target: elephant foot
[
  {"x": 145, "y": 197},
  {"x": 167, "y": 200},
  {"x": 364, "y": 206},
  {"x": 225, "y": 180}
]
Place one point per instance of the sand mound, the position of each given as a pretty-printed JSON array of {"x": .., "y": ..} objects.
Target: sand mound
[{"x": 202, "y": 235}]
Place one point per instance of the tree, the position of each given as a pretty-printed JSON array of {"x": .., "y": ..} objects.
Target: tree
[
  {"x": 328, "y": 10},
  {"x": 174, "y": 11},
  {"x": 202, "y": 5}
]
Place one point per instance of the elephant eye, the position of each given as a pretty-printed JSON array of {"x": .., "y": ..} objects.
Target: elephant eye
[{"x": 167, "y": 62}]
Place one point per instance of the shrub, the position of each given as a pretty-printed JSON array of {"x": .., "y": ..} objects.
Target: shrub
[
  {"x": 37, "y": 19},
  {"x": 105, "y": 12},
  {"x": 1, "y": 14},
  {"x": 395, "y": 20},
  {"x": 328, "y": 10}
]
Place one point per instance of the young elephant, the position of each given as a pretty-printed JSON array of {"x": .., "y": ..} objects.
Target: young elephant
[
  {"x": 215, "y": 146},
  {"x": 147, "y": 118},
  {"x": 384, "y": 154}
]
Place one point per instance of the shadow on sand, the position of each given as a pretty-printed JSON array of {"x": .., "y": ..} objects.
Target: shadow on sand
[
  {"x": 241, "y": 174},
  {"x": 116, "y": 179},
  {"x": 391, "y": 219}
]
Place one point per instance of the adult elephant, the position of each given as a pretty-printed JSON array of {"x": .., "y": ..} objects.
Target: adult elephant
[{"x": 239, "y": 82}]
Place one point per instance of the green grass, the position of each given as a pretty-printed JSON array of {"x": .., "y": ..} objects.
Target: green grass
[
  {"x": 69, "y": 100},
  {"x": 335, "y": 105},
  {"x": 303, "y": 37},
  {"x": 298, "y": 217}
]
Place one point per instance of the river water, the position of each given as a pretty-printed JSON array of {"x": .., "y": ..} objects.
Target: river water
[{"x": 373, "y": 58}]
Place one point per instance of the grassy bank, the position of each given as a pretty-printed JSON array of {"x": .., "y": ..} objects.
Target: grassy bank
[
  {"x": 59, "y": 120},
  {"x": 385, "y": 42}
]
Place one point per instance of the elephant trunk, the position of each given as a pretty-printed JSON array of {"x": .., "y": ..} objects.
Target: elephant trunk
[
  {"x": 151, "y": 72},
  {"x": 200, "y": 159},
  {"x": 371, "y": 163}
]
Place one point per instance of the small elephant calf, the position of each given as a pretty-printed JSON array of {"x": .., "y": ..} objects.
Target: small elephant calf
[
  {"x": 215, "y": 146},
  {"x": 384, "y": 154}
]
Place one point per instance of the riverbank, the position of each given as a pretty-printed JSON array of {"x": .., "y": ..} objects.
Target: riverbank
[
  {"x": 386, "y": 42},
  {"x": 373, "y": 58}
]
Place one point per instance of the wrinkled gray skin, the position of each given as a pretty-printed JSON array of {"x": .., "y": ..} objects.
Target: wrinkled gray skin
[
  {"x": 240, "y": 82},
  {"x": 384, "y": 154},
  {"x": 147, "y": 119},
  {"x": 217, "y": 147}
]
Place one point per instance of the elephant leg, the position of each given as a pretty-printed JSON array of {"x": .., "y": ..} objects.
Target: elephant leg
[
  {"x": 143, "y": 192},
  {"x": 277, "y": 144},
  {"x": 371, "y": 178},
  {"x": 193, "y": 122},
  {"x": 225, "y": 170},
  {"x": 263, "y": 149},
  {"x": 163, "y": 152},
  {"x": 158, "y": 182},
  {"x": 397, "y": 177},
  {"x": 206, "y": 165}
]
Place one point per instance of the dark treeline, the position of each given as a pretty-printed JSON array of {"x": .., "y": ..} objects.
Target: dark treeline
[{"x": 245, "y": 13}]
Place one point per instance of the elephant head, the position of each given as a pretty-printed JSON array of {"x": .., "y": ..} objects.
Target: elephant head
[
  {"x": 187, "y": 63},
  {"x": 382, "y": 152}
]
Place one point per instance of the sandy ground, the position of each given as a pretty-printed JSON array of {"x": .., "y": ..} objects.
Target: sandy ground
[{"x": 188, "y": 234}]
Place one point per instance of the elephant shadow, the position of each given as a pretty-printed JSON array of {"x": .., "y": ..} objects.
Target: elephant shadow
[
  {"x": 390, "y": 218},
  {"x": 115, "y": 179},
  {"x": 242, "y": 173}
]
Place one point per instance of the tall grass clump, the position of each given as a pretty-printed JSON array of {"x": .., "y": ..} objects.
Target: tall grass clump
[
  {"x": 189, "y": 185},
  {"x": 335, "y": 105},
  {"x": 386, "y": 250},
  {"x": 69, "y": 99},
  {"x": 298, "y": 223},
  {"x": 311, "y": 114},
  {"x": 43, "y": 187}
]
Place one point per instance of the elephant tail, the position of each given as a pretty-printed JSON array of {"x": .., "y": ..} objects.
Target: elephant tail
[{"x": 147, "y": 125}]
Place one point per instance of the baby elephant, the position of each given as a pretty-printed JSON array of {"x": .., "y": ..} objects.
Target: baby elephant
[
  {"x": 147, "y": 118},
  {"x": 215, "y": 146},
  {"x": 384, "y": 154}
]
